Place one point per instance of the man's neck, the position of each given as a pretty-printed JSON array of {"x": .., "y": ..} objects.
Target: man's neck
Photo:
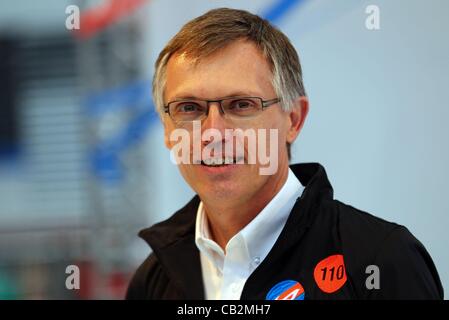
[{"x": 227, "y": 218}]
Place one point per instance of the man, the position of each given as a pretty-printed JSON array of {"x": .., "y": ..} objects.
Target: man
[{"x": 249, "y": 234}]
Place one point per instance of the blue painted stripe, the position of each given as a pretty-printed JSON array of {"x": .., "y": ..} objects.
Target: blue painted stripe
[
  {"x": 130, "y": 95},
  {"x": 104, "y": 158},
  {"x": 279, "y": 8}
]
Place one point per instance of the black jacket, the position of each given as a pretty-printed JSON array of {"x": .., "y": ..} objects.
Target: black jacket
[{"x": 318, "y": 227}]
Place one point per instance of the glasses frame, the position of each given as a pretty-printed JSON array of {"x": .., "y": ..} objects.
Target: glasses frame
[{"x": 264, "y": 104}]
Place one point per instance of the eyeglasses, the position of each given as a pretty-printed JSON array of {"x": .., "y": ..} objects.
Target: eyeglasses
[{"x": 231, "y": 107}]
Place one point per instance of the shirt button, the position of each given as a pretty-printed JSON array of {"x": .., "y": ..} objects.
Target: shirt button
[{"x": 256, "y": 261}]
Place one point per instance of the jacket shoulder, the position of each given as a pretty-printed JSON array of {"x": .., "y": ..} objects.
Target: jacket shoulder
[
  {"x": 369, "y": 231},
  {"x": 406, "y": 268},
  {"x": 144, "y": 279},
  {"x": 150, "y": 282}
]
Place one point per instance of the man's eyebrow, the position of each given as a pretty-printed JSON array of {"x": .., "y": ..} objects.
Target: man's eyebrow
[
  {"x": 232, "y": 94},
  {"x": 184, "y": 97}
]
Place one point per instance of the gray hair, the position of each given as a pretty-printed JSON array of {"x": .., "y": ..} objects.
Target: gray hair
[{"x": 218, "y": 28}]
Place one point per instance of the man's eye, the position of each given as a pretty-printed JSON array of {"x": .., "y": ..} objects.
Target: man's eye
[
  {"x": 242, "y": 104},
  {"x": 188, "y": 107}
]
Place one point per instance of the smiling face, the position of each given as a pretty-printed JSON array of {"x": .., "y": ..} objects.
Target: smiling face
[{"x": 239, "y": 69}]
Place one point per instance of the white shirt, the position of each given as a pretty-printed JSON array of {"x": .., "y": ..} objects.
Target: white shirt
[{"x": 224, "y": 275}]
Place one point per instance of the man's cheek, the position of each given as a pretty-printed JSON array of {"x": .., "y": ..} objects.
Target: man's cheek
[{"x": 268, "y": 152}]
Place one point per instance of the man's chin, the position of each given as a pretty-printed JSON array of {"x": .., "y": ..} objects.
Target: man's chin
[{"x": 223, "y": 190}]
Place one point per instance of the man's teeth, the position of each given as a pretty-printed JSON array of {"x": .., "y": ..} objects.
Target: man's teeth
[{"x": 218, "y": 161}]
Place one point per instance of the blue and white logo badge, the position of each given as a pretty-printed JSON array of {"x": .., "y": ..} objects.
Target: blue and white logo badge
[{"x": 286, "y": 290}]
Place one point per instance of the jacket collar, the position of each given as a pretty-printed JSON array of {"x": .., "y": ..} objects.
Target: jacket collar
[{"x": 173, "y": 240}]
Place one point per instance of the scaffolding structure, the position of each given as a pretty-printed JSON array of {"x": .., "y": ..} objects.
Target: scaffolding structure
[{"x": 81, "y": 201}]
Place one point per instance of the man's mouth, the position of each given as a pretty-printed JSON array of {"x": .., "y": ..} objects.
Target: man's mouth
[{"x": 220, "y": 162}]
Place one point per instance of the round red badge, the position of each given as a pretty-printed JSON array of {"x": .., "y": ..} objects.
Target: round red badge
[{"x": 330, "y": 273}]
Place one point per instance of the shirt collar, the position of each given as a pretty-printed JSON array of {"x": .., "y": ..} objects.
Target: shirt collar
[{"x": 256, "y": 238}]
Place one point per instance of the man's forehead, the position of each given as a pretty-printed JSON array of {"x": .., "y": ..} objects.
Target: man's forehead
[
  {"x": 232, "y": 52},
  {"x": 182, "y": 58},
  {"x": 238, "y": 68}
]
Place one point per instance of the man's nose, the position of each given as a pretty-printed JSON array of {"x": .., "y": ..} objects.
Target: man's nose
[{"x": 215, "y": 119}]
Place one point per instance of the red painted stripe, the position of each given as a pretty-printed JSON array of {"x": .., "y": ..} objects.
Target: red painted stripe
[
  {"x": 98, "y": 18},
  {"x": 290, "y": 290}
]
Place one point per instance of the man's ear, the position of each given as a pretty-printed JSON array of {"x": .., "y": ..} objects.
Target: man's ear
[{"x": 297, "y": 116}]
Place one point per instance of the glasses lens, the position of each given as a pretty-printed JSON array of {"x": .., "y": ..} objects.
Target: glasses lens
[
  {"x": 187, "y": 110},
  {"x": 242, "y": 107}
]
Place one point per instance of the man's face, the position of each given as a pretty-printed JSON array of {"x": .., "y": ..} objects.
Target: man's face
[{"x": 240, "y": 69}]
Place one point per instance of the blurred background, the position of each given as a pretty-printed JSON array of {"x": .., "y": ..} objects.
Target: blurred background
[{"x": 83, "y": 166}]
